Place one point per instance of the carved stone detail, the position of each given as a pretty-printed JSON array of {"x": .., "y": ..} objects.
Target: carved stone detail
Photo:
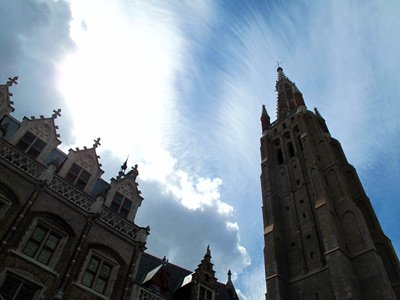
[
  {"x": 126, "y": 189},
  {"x": 147, "y": 295},
  {"x": 20, "y": 160},
  {"x": 86, "y": 161},
  {"x": 41, "y": 130}
]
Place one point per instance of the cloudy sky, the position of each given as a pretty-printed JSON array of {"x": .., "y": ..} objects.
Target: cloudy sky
[{"x": 178, "y": 86}]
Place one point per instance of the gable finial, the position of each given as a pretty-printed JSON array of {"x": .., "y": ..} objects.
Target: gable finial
[
  {"x": 56, "y": 113},
  {"x": 96, "y": 143},
  {"x": 12, "y": 81},
  {"x": 278, "y": 64}
]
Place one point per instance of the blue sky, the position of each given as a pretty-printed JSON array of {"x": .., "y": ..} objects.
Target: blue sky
[{"x": 178, "y": 86}]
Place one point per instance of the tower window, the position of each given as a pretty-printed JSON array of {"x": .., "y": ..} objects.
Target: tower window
[
  {"x": 121, "y": 205},
  {"x": 291, "y": 149},
  {"x": 279, "y": 156},
  {"x": 297, "y": 181},
  {"x": 299, "y": 140},
  {"x": 78, "y": 176},
  {"x": 293, "y": 244},
  {"x": 31, "y": 144},
  {"x": 317, "y": 296},
  {"x": 283, "y": 125},
  {"x": 312, "y": 254},
  {"x": 304, "y": 216},
  {"x": 308, "y": 236},
  {"x": 301, "y": 201},
  {"x": 287, "y": 207},
  {"x": 14, "y": 287}
]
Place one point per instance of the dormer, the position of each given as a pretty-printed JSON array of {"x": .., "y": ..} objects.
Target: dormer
[
  {"x": 5, "y": 102},
  {"x": 82, "y": 167},
  {"x": 37, "y": 137},
  {"x": 123, "y": 197}
]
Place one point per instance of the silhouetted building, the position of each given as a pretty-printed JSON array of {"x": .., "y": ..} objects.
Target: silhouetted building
[
  {"x": 322, "y": 238},
  {"x": 67, "y": 234}
]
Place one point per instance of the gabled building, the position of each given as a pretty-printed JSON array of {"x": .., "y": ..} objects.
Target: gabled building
[
  {"x": 160, "y": 280},
  {"x": 322, "y": 238},
  {"x": 65, "y": 233}
]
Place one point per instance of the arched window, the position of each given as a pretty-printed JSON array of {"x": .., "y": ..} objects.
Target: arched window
[
  {"x": 291, "y": 149},
  {"x": 43, "y": 242},
  {"x": 7, "y": 198},
  {"x": 279, "y": 156},
  {"x": 98, "y": 272}
]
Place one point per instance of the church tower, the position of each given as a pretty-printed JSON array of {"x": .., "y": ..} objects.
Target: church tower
[{"x": 322, "y": 238}]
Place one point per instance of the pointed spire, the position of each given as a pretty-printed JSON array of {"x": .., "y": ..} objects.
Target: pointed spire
[
  {"x": 208, "y": 253},
  {"x": 229, "y": 275},
  {"x": 265, "y": 119},
  {"x": 289, "y": 96}
]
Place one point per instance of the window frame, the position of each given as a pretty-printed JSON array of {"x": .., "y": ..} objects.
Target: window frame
[
  {"x": 57, "y": 250},
  {"x": 78, "y": 179},
  {"x": 37, "y": 288},
  {"x": 5, "y": 202},
  {"x": 120, "y": 206},
  {"x": 206, "y": 290},
  {"x": 28, "y": 147},
  {"x": 105, "y": 259}
]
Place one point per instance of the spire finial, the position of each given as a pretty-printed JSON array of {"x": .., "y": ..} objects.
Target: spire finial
[
  {"x": 12, "y": 81},
  {"x": 208, "y": 253},
  {"x": 56, "y": 113},
  {"x": 96, "y": 143}
]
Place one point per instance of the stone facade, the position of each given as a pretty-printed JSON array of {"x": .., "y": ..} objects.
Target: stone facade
[
  {"x": 322, "y": 237},
  {"x": 65, "y": 233}
]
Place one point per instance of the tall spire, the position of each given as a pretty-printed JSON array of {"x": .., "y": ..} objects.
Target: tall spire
[{"x": 289, "y": 95}]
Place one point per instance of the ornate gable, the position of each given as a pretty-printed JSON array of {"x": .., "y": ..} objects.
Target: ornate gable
[
  {"x": 124, "y": 196},
  {"x": 82, "y": 167},
  {"x": 37, "y": 137}
]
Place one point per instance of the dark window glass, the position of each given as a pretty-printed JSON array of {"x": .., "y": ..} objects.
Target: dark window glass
[
  {"x": 15, "y": 288},
  {"x": 97, "y": 274},
  {"x": 42, "y": 244},
  {"x": 121, "y": 205},
  {"x": 78, "y": 176},
  {"x": 31, "y": 145}
]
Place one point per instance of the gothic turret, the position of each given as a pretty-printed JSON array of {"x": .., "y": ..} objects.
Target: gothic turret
[{"x": 265, "y": 119}]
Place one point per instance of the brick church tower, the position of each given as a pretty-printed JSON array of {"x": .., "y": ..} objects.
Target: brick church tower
[{"x": 322, "y": 238}]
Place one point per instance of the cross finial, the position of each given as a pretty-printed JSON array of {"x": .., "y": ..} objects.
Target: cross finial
[
  {"x": 96, "y": 143},
  {"x": 56, "y": 113},
  {"x": 278, "y": 64},
  {"x": 12, "y": 81}
]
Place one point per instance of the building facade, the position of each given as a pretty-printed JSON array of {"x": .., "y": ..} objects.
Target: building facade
[
  {"x": 65, "y": 233},
  {"x": 322, "y": 238}
]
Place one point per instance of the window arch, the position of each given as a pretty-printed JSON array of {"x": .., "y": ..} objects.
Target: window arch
[
  {"x": 7, "y": 199},
  {"x": 99, "y": 270},
  {"x": 45, "y": 239}
]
